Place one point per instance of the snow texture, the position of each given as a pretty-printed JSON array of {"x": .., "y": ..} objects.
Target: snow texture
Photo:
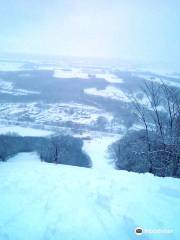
[{"x": 41, "y": 201}]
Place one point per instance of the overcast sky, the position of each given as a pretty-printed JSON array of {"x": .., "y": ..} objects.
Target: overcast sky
[{"x": 132, "y": 29}]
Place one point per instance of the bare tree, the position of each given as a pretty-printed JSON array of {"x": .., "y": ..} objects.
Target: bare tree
[
  {"x": 141, "y": 114},
  {"x": 153, "y": 94},
  {"x": 164, "y": 155}
]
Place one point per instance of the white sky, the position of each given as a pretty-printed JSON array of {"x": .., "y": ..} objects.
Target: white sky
[{"x": 132, "y": 29}]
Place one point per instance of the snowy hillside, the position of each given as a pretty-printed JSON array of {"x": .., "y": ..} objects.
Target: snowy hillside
[
  {"x": 89, "y": 100},
  {"x": 46, "y": 201}
]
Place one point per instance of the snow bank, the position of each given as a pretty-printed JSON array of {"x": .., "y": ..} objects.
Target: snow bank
[{"x": 46, "y": 201}]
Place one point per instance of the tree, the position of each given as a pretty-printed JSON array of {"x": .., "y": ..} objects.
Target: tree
[{"x": 160, "y": 139}]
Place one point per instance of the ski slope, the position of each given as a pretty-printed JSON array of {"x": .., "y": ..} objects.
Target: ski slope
[
  {"x": 97, "y": 148},
  {"x": 41, "y": 201}
]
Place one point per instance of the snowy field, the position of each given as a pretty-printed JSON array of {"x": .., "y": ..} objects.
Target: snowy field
[
  {"x": 9, "y": 66},
  {"x": 23, "y": 131},
  {"x": 41, "y": 201},
  {"x": 160, "y": 80},
  {"x": 108, "y": 92},
  {"x": 84, "y": 74}
]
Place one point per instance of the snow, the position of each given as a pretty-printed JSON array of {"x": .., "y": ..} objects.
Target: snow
[
  {"x": 159, "y": 80},
  {"x": 53, "y": 113},
  {"x": 70, "y": 73},
  {"x": 6, "y": 85},
  {"x": 48, "y": 201},
  {"x": 109, "y": 77},
  {"x": 8, "y": 88},
  {"x": 136, "y": 127},
  {"x": 10, "y": 66},
  {"x": 163, "y": 72},
  {"x": 77, "y": 113},
  {"x": 117, "y": 94},
  {"x": 23, "y": 131},
  {"x": 82, "y": 73},
  {"x": 99, "y": 144},
  {"x": 108, "y": 92}
]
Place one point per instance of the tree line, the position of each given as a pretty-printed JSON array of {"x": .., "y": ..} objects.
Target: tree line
[{"x": 57, "y": 149}]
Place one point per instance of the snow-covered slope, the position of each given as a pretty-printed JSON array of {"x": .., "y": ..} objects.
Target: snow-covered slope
[
  {"x": 97, "y": 148},
  {"x": 40, "y": 201}
]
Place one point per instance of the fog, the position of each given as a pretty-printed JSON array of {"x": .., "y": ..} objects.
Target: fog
[{"x": 138, "y": 30}]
